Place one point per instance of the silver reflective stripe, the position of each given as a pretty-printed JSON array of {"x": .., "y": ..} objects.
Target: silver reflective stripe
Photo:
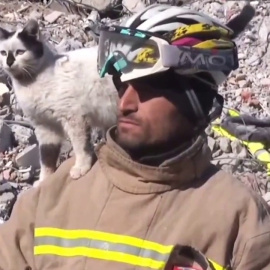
[{"x": 102, "y": 245}]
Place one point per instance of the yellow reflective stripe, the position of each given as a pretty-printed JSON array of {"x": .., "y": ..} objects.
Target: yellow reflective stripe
[
  {"x": 257, "y": 149},
  {"x": 104, "y": 246},
  {"x": 102, "y": 236},
  {"x": 216, "y": 265},
  {"x": 99, "y": 254}
]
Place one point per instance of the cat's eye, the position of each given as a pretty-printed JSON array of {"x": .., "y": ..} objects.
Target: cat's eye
[
  {"x": 20, "y": 52},
  {"x": 4, "y": 53}
]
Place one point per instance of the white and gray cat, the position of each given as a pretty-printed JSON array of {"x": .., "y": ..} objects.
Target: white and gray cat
[{"x": 61, "y": 95}]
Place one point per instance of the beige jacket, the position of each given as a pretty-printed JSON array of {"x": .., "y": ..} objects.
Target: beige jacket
[{"x": 124, "y": 216}]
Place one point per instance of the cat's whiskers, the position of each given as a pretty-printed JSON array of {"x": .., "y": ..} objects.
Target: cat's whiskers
[{"x": 26, "y": 72}]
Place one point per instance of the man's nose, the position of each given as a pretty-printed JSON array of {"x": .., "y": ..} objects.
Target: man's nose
[{"x": 129, "y": 102}]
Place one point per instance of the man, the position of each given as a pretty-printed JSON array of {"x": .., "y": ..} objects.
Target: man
[{"x": 152, "y": 200}]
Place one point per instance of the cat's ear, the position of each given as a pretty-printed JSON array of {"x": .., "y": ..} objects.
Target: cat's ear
[
  {"x": 4, "y": 34},
  {"x": 31, "y": 29}
]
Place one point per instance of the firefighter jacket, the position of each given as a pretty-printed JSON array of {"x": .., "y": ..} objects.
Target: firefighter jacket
[{"x": 124, "y": 215}]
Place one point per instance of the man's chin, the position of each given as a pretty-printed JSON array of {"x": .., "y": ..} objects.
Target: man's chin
[{"x": 128, "y": 142}]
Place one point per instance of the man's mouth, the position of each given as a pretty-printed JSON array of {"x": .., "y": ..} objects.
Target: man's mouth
[{"x": 127, "y": 122}]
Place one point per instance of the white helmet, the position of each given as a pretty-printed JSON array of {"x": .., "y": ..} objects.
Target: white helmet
[
  {"x": 164, "y": 19},
  {"x": 163, "y": 37}
]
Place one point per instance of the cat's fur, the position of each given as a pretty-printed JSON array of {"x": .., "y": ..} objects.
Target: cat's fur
[{"x": 60, "y": 94}]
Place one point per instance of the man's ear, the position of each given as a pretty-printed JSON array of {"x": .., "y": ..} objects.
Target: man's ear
[
  {"x": 31, "y": 29},
  {"x": 4, "y": 34}
]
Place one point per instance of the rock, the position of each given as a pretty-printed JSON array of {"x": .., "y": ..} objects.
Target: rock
[
  {"x": 4, "y": 95},
  {"x": 211, "y": 143},
  {"x": 209, "y": 131},
  {"x": 236, "y": 146},
  {"x": 254, "y": 60},
  {"x": 264, "y": 30},
  {"x": 5, "y": 113},
  {"x": 227, "y": 162},
  {"x": 241, "y": 56},
  {"x": 36, "y": 15},
  {"x": 26, "y": 175},
  {"x": 6, "y": 197},
  {"x": 6, "y": 137},
  {"x": 23, "y": 135},
  {"x": 243, "y": 153},
  {"x": 98, "y": 4},
  {"x": 243, "y": 83},
  {"x": 133, "y": 5},
  {"x": 265, "y": 82},
  {"x": 5, "y": 186},
  {"x": 225, "y": 145},
  {"x": 216, "y": 6},
  {"x": 217, "y": 154},
  {"x": 240, "y": 77},
  {"x": 29, "y": 157},
  {"x": 5, "y": 175},
  {"x": 53, "y": 17},
  {"x": 266, "y": 197}
]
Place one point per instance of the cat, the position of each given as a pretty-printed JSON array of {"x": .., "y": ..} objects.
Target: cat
[{"x": 61, "y": 94}]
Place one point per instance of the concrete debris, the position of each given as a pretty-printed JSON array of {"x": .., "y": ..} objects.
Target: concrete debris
[
  {"x": 227, "y": 162},
  {"x": 236, "y": 147},
  {"x": 264, "y": 29},
  {"x": 6, "y": 197},
  {"x": 4, "y": 95},
  {"x": 36, "y": 15},
  {"x": 53, "y": 17},
  {"x": 97, "y": 4},
  {"x": 224, "y": 144},
  {"x": 267, "y": 197},
  {"x": 6, "y": 137},
  {"x": 23, "y": 135},
  {"x": 29, "y": 157},
  {"x": 212, "y": 143},
  {"x": 133, "y": 5},
  {"x": 265, "y": 82}
]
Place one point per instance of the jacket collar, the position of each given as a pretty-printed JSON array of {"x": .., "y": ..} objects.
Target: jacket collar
[{"x": 134, "y": 177}]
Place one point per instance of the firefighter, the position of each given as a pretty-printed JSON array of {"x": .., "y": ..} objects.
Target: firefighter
[{"x": 152, "y": 200}]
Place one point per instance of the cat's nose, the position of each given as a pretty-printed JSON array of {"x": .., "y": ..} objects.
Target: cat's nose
[
  {"x": 10, "y": 63},
  {"x": 10, "y": 59}
]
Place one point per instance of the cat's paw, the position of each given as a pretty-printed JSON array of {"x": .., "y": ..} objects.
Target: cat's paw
[{"x": 79, "y": 171}]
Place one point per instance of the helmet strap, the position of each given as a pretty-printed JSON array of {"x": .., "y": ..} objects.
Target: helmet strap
[{"x": 202, "y": 120}]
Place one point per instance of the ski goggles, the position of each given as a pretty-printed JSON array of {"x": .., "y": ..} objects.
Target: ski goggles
[{"x": 136, "y": 53}]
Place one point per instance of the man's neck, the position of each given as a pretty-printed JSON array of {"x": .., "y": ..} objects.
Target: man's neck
[{"x": 157, "y": 158}]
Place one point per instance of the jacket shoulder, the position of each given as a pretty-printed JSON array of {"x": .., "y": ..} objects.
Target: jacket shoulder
[
  {"x": 230, "y": 191},
  {"x": 56, "y": 183}
]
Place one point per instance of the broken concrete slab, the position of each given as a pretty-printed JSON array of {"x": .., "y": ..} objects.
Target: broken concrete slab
[
  {"x": 6, "y": 137},
  {"x": 6, "y": 197},
  {"x": 53, "y": 16},
  {"x": 36, "y": 14},
  {"x": 133, "y": 5},
  {"x": 29, "y": 157},
  {"x": 23, "y": 135},
  {"x": 4, "y": 95},
  {"x": 100, "y": 5}
]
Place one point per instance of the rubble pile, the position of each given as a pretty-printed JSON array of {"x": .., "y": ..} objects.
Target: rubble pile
[{"x": 71, "y": 24}]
